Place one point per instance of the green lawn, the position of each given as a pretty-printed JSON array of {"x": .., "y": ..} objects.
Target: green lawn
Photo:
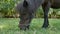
[{"x": 10, "y": 26}]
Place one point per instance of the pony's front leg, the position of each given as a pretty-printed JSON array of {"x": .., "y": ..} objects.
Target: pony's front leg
[{"x": 46, "y": 7}]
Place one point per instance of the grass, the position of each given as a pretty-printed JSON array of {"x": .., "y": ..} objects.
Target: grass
[{"x": 10, "y": 26}]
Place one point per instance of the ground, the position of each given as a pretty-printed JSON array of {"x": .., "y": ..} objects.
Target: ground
[{"x": 10, "y": 26}]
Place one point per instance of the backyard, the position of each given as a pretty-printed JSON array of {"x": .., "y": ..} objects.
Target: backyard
[{"x": 9, "y": 19}]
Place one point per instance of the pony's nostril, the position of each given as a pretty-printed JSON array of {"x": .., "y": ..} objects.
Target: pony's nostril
[{"x": 22, "y": 28}]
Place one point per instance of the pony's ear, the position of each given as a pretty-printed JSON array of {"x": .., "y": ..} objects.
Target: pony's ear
[{"x": 25, "y": 3}]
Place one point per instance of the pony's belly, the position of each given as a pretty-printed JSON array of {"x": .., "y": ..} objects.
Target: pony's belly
[{"x": 55, "y": 5}]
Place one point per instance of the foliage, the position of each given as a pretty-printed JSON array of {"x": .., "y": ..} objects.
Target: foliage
[
  {"x": 39, "y": 12},
  {"x": 7, "y": 10},
  {"x": 7, "y": 7},
  {"x": 53, "y": 13}
]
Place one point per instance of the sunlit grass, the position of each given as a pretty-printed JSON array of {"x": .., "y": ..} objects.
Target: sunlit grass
[
  {"x": 1, "y": 26},
  {"x": 10, "y": 26}
]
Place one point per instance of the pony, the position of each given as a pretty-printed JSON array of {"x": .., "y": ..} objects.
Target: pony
[{"x": 27, "y": 9}]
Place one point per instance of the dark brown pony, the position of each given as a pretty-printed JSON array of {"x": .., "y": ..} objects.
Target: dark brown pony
[{"x": 27, "y": 8}]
